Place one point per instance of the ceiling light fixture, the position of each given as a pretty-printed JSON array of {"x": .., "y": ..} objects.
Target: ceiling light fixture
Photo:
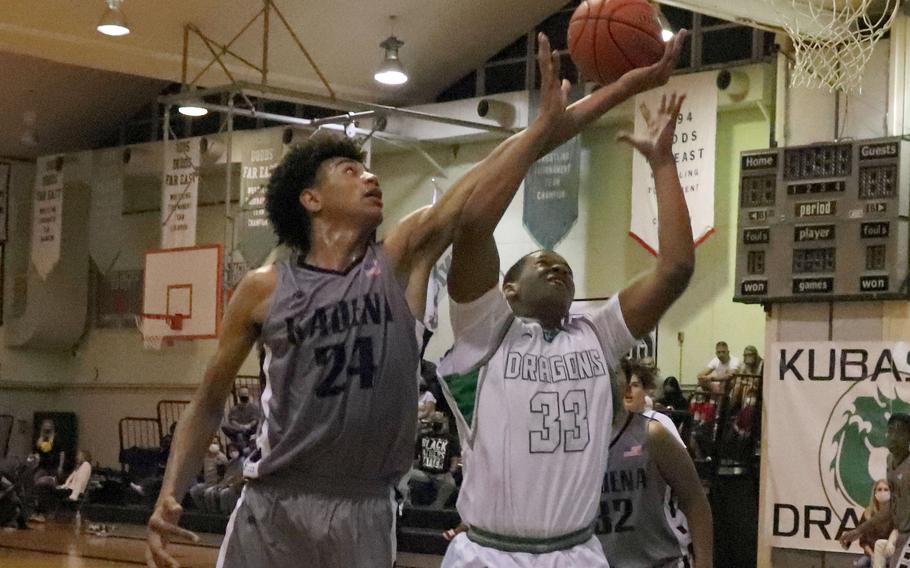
[
  {"x": 113, "y": 22},
  {"x": 391, "y": 71},
  {"x": 191, "y": 107}
]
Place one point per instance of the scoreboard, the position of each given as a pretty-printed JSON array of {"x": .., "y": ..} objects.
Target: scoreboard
[{"x": 824, "y": 222}]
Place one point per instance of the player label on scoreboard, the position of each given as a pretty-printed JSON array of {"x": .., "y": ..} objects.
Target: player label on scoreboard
[{"x": 807, "y": 233}]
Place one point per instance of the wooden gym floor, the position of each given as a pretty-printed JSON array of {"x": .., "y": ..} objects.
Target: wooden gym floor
[{"x": 56, "y": 545}]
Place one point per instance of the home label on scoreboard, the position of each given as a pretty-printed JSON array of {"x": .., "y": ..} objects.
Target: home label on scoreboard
[
  {"x": 879, "y": 230},
  {"x": 821, "y": 208},
  {"x": 813, "y": 285},
  {"x": 873, "y": 284},
  {"x": 807, "y": 233},
  {"x": 759, "y": 161}
]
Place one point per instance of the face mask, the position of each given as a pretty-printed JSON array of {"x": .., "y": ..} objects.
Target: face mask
[
  {"x": 882, "y": 496},
  {"x": 235, "y": 454},
  {"x": 214, "y": 448},
  {"x": 244, "y": 399}
]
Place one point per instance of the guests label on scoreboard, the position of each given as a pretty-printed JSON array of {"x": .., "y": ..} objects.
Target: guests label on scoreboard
[
  {"x": 879, "y": 230},
  {"x": 807, "y": 233},
  {"x": 873, "y": 284},
  {"x": 813, "y": 285},
  {"x": 759, "y": 162},
  {"x": 754, "y": 288},
  {"x": 877, "y": 151},
  {"x": 756, "y": 236},
  {"x": 816, "y": 208}
]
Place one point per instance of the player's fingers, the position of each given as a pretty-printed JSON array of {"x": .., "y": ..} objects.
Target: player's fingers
[
  {"x": 166, "y": 529},
  {"x": 556, "y": 64},
  {"x": 156, "y": 555},
  {"x": 645, "y": 112},
  {"x": 663, "y": 104},
  {"x": 543, "y": 50},
  {"x": 565, "y": 88},
  {"x": 679, "y": 104}
]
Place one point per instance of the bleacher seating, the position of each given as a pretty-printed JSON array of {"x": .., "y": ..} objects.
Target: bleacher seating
[
  {"x": 140, "y": 441},
  {"x": 6, "y": 432}
]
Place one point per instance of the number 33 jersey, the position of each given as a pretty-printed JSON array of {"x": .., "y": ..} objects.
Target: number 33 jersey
[
  {"x": 341, "y": 363},
  {"x": 534, "y": 410}
]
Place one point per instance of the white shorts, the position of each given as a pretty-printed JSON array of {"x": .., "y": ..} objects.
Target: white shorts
[{"x": 464, "y": 553}]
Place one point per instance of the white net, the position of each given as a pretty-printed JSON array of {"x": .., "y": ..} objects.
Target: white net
[
  {"x": 834, "y": 39},
  {"x": 151, "y": 340}
]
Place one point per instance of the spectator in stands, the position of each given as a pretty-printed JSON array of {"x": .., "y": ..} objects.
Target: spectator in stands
[
  {"x": 213, "y": 460},
  {"x": 671, "y": 396},
  {"x": 426, "y": 403},
  {"x": 223, "y": 496},
  {"x": 720, "y": 368},
  {"x": 437, "y": 459},
  {"x": 12, "y": 505},
  {"x": 242, "y": 420},
  {"x": 704, "y": 412},
  {"x": 149, "y": 487},
  {"x": 877, "y": 544},
  {"x": 752, "y": 364},
  {"x": 51, "y": 460},
  {"x": 77, "y": 482}
]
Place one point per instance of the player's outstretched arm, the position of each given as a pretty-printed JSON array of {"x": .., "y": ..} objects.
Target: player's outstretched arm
[
  {"x": 201, "y": 418},
  {"x": 878, "y": 521},
  {"x": 645, "y": 301},
  {"x": 677, "y": 469}
]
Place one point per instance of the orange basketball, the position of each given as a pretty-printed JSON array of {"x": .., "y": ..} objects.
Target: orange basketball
[{"x": 610, "y": 37}]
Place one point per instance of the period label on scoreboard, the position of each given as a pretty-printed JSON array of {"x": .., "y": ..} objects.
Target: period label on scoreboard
[
  {"x": 813, "y": 285},
  {"x": 756, "y": 236},
  {"x": 878, "y": 151},
  {"x": 759, "y": 161},
  {"x": 879, "y": 230},
  {"x": 807, "y": 233},
  {"x": 873, "y": 284},
  {"x": 822, "y": 208},
  {"x": 754, "y": 288}
]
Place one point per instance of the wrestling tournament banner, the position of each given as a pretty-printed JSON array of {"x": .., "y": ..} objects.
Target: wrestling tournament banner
[
  {"x": 179, "y": 194},
  {"x": 694, "y": 148},
  {"x": 256, "y": 238},
  {"x": 827, "y": 407},
  {"x": 47, "y": 214},
  {"x": 551, "y": 187}
]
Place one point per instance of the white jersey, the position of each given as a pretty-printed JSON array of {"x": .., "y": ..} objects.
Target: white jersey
[{"x": 534, "y": 411}]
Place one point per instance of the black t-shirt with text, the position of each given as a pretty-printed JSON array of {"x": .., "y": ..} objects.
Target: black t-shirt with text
[{"x": 435, "y": 452}]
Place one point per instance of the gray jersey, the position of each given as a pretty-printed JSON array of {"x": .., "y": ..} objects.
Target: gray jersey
[
  {"x": 636, "y": 522},
  {"x": 899, "y": 480},
  {"x": 341, "y": 363}
]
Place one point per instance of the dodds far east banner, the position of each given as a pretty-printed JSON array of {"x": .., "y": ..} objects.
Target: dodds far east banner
[{"x": 827, "y": 405}]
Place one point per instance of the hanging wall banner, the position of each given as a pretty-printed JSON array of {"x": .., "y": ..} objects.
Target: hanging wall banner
[
  {"x": 4, "y": 200},
  {"x": 47, "y": 214},
  {"x": 694, "y": 148},
  {"x": 256, "y": 239},
  {"x": 551, "y": 189},
  {"x": 827, "y": 407},
  {"x": 179, "y": 193}
]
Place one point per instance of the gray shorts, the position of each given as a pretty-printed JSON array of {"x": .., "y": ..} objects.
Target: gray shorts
[{"x": 280, "y": 527}]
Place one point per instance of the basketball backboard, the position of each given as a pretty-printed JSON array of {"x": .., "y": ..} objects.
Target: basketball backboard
[{"x": 182, "y": 293}]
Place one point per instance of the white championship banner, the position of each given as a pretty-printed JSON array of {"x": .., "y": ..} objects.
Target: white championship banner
[
  {"x": 179, "y": 193},
  {"x": 694, "y": 147},
  {"x": 827, "y": 407},
  {"x": 47, "y": 214}
]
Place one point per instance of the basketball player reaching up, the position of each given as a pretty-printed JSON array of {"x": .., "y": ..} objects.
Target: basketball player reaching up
[
  {"x": 337, "y": 323},
  {"x": 532, "y": 384},
  {"x": 650, "y": 480},
  {"x": 898, "y": 508}
]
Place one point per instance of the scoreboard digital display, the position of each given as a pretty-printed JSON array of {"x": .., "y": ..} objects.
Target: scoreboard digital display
[{"x": 824, "y": 222}]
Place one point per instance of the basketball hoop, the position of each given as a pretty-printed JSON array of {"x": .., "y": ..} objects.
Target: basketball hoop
[
  {"x": 834, "y": 39},
  {"x": 152, "y": 340}
]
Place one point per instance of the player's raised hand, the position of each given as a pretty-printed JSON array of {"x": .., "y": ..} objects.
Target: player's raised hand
[
  {"x": 554, "y": 93},
  {"x": 162, "y": 528},
  {"x": 657, "y": 144},
  {"x": 646, "y": 78}
]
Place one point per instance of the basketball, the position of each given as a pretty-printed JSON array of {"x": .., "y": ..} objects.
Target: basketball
[{"x": 607, "y": 38}]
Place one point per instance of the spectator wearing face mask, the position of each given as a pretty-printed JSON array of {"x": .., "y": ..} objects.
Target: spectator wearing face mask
[
  {"x": 213, "y": 460},
  {"x": 877, "y": 545},
  {"x": 752, "y": 363},
  {"x": 242, "y": 420},
  {"x": 671, "y": 396},
  {"x": 223, "y": 496}
]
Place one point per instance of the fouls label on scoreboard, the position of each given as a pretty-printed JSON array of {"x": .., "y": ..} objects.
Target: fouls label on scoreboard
[
  {"x": 756, "y": 236},
  {"x": 813, "y": 285},
  {"x": 822, "y": 208},
  {"x": 879, "y": 230},
  {"x": 813, "y": 233}
]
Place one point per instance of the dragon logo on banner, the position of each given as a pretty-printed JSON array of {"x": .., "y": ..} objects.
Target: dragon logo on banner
[{"x": 853, "y": 452}]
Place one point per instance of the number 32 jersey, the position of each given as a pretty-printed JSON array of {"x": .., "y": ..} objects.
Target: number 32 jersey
[
  {"x": 534, "y": 411},
  {"x": 341, "y": 363}
]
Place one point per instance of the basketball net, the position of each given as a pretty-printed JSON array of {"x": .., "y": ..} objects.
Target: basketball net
[
  {"x": 152, "y": 341},
  {"x": 834, "y": 39}
]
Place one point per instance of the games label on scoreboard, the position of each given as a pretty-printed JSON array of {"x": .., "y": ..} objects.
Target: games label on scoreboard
[
  {"x": 754, "y": 288},
  {"x": 822, "y": 208},
  {"x": 878, "y": 151},
  {"x": 873, "y": 283},
  {"x": 806, "y": 233},
  {"x": 759, "y": 161},
  {"x": 813, "y": 285},
  {"x": 756, "y": 236},
  {"x": 879, "y": 230}
]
